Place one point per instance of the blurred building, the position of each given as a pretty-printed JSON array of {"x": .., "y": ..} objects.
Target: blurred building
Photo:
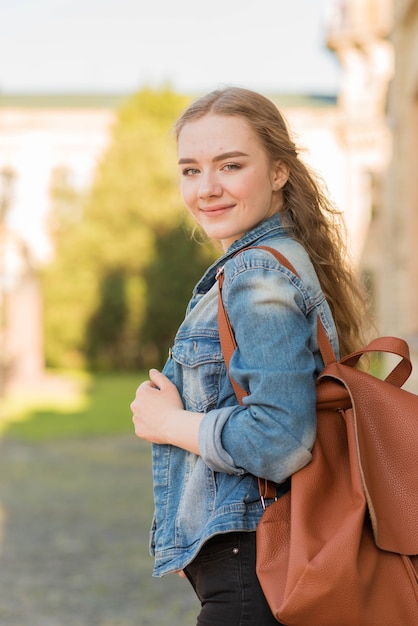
[
  {"x": 46, "y": 143},
  {"x": 377, "y": 44},
  {"x": 399, "y": 201},
  {"x": 358, "y": 33}
]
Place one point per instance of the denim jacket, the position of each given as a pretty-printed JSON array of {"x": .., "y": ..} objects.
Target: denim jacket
[{"x": 274, "y": 317}]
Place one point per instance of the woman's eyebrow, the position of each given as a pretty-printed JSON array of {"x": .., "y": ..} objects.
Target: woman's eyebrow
[
  {"x": 229, "y": 155},
  {"x": 184, "y": 161},
  {"x": 219, "y": 157}
]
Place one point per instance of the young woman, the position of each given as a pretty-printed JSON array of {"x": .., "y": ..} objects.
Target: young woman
[{"x": 244, "y": 184}]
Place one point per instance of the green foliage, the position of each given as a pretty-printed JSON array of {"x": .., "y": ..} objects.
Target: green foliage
[
  {"x": 105, "y": 327},
  {"x": 169, "y": 278},
  {"x": 126, "y": 265}
]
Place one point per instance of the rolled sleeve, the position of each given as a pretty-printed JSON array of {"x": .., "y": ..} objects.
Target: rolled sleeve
[{"x": 210, "y": 442}]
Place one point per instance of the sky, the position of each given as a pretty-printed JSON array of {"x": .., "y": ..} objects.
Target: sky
[{"x": 275, "y": 46}]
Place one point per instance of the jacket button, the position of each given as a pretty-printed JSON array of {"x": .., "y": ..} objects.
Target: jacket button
[{"x": 235, "y": 550}]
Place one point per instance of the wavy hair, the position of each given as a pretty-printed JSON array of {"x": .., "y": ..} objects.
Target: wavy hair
[{"x": 308, "y": 213}]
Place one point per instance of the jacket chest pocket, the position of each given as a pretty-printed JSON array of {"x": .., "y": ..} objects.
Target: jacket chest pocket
[{"x": 199, "y": 366}]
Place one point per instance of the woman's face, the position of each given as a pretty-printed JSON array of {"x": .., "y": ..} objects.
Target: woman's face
[{"x": 227, "y": 181}]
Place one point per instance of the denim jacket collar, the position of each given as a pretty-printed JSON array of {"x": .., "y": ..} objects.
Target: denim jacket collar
[{"x": 266, "y": 228}]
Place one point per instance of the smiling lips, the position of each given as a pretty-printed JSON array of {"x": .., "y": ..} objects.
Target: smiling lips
[{"x": 217, "y": 209}]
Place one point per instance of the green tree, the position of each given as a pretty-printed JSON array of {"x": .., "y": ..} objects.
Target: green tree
[
  {"x": 170, "y": 278},
  {"x": 107, "y": 303}
]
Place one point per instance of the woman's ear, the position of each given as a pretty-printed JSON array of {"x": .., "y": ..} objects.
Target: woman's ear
[{"x": 280, "y": 175}]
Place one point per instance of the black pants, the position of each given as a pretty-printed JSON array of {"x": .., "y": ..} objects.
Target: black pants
[{"x": 224, "y": 579}]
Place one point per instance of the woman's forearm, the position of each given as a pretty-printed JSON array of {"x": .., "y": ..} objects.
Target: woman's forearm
[{"x": 182, "y": 429}]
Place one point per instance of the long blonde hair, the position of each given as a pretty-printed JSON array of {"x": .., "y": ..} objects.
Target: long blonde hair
[{"x": 314, "y": 220}]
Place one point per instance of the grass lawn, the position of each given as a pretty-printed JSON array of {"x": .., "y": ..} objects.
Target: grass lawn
[{"x": 74, "y": 404}]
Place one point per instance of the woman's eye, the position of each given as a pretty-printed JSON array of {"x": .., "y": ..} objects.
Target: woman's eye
[
  {"x": 190, "y": 171},
  {"x": 230, "y": 167}
]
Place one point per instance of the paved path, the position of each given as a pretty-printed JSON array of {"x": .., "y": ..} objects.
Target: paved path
[{"x": 74, "y": 521}]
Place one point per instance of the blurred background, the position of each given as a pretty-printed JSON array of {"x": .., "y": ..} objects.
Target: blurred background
[{"x": 97, "y": 262}]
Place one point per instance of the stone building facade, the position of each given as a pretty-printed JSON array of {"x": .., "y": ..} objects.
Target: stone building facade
[
  {"x": 377, "y": 44},
  {"x": 399, "y": 204},
  {"x": 358, "y": 33}
]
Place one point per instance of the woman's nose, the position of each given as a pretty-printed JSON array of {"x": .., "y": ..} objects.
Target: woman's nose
[{"x": 209, "y": 186}]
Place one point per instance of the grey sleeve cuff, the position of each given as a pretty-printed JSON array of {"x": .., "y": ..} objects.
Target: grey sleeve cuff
[{"x": 210, "y": 442}]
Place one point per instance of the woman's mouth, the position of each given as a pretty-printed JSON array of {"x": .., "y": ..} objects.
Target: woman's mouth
[{"x": 216, "y": 209}]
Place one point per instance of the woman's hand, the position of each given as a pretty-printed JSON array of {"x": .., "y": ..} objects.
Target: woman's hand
[
  {"x": 155, "y": 400},
  {"x": 159, "y": 415}
]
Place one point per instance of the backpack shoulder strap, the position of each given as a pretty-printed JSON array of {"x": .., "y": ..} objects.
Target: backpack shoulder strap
[{"x": 228, "y": 344}]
